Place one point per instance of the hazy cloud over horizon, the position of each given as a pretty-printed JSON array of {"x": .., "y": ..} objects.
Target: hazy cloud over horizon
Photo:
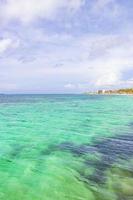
[{"x": 65, "y": 46}]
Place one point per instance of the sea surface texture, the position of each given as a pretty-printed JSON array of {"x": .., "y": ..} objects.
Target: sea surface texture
[{"x": 66, "y": 147}]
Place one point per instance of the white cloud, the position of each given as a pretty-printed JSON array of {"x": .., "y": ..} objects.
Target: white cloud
[
  {"x": 108, "y": 79},
  {"x": 29, "y": 10},
  {"x": 70, "y": 86},
  {"x": 7, "y": 44},
  {"x": 107, "y": 58}
]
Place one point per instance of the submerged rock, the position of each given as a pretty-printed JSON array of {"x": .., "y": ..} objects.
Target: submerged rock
[{"x": 111, "y": 150}]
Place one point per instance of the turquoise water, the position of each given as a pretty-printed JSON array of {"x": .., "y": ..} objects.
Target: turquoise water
[{"x": 66, "y": 147}]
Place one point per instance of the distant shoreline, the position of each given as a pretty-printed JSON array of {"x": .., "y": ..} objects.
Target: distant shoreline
[
  {"x": 126, "y": 91},
  {"x": 110, "y": 94}
]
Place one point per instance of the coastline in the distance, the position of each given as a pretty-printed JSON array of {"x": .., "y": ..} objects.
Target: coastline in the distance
[{"x": 125, "y": 91}]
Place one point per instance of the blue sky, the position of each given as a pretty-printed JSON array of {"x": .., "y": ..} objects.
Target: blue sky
[{"x": 65, "y": 46}]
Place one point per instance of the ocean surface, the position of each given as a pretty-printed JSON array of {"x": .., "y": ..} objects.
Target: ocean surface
[{"x": 66, "y": 147}]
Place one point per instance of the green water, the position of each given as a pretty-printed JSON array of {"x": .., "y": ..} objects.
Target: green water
[{"x": 42, "y": 140}]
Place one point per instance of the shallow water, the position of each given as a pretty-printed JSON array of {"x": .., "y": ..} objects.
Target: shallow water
[{"x": 66, "y": 147}]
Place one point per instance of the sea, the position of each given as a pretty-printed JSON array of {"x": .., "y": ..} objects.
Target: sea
[{"x": 66, "y": 147}]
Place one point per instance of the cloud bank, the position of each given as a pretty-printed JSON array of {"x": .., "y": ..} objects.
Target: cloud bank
[
  {"x": 63, "y": 46},
  {"x": 27, "y": 11}
]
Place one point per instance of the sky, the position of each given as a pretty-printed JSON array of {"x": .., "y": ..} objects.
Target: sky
[{"x": 65, "y": 46}]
